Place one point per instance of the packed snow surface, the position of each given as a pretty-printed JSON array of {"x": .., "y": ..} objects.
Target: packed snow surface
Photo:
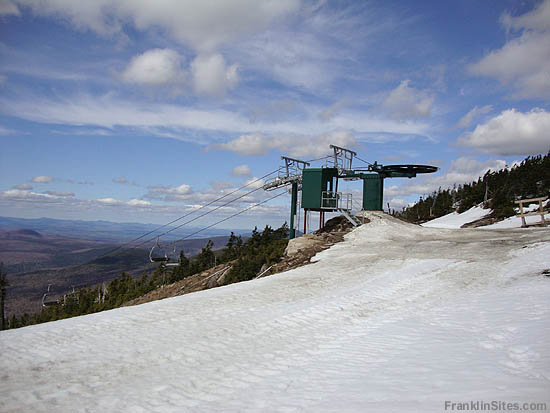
[{"x": 395, "y": 318}]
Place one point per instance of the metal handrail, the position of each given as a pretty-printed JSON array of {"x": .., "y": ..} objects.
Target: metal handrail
[{"x": 336, "y": 200}]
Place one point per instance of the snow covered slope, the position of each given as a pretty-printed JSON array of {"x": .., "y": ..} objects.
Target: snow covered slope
[
  {"x": 395, "y": 318},
  {"x": 456, "y": 220},
  {"x": 515, "y": 222}
]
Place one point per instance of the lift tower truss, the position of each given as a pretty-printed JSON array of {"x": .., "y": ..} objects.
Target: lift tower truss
[
  {"x": 289, "y": 174},
  {"x": 342, "y": 158}
]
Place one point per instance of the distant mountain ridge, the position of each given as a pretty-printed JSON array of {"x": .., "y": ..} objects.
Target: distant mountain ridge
[{"x": 101, "y": 230}]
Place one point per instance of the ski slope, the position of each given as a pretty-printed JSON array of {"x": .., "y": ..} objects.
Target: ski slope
[{"x": 395, "y": 318}]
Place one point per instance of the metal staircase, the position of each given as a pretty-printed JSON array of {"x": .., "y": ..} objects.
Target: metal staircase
[{"x": 350, "y": 217}]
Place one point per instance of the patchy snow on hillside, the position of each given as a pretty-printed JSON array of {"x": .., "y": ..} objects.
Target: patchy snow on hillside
[
  {"x": 395, "y": 318},
  {"x": 456, "y": 220},
  {"x": 515, "y": 222}
]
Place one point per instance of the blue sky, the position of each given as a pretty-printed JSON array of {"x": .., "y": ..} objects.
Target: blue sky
[{"x": 141, "y": 111}]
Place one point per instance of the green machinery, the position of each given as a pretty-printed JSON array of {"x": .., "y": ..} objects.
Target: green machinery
[{"x": 319, "y": 186}]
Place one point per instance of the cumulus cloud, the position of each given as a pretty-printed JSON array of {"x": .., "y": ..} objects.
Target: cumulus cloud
[
  {"x": 406, "y": 102},
  {"x": 512, "y": 133},
  {"x": 202, "y": 25},
  {"x": 212, "y": 76},
  {"x": 42, "y": 179},
  {"x": 109, "y": 201},
  {"x": 524, "y": 60},
  {"x": 167, "y": 193},
  {"x": 138, "y": 202},
  {"x": 155, "y": 67},
  {"x": 241, "y": 170},
  {"x": 473, "y": 114},
  {"x": 258, "y": 144},
  {"x": 23, "y": 187}
]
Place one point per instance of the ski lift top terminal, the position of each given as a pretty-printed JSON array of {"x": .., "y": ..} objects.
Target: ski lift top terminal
[{"x": 320, "y": 185}]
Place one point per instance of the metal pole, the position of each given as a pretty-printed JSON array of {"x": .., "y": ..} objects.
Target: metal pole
[{"x": 293, "y": 204}]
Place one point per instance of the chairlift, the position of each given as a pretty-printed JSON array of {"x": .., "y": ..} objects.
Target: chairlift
[
  {"x": 159, "y": 254},
  {"x": 173, "y": 259},
  {"x": 48, "y": 299}
]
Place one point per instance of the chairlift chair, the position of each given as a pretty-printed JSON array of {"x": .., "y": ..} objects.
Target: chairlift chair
[
  {"x": 48, "y": 299},
  {"x": 159, "y": 254}
]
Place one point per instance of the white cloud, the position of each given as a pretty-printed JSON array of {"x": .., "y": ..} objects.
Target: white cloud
[
  {"x": 523, "y": 61},
  {"x": 109, "y": 201},
  {"x": 331, "y": 111},
  {"x": 138, "y": 203},
  {"x": 397, "y": 203},
  {"x": 155, "y": 67},
  {"x": 211, "y": 76},
  {"x": 512, "y": 133},
  {"x": 167, "y": 193},
  {"x": 25, "y": 195},
  {"x": 202, "y": 25},
  {"x": 23, "y": 187},
  {"x": 63, "y": 194},
  {"x": 469, "y": 117},
  {"x": 7, "y": 8},
  {"x": 254, "y": 183},
  {"x": 175, "y": 121},
  {"x": 294, "y": 145},
  {"x": 42, "y": 179},
  {"x": 241, "y": 170},
  {"x": 462, "y": 170},
  {"x": 536, "y": 19},
  {"x": 405, "y": 102}
]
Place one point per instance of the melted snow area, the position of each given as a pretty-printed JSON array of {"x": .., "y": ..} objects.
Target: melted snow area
[{"x": 395, "y": 318}]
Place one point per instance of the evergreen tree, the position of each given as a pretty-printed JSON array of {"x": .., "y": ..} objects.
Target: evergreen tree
[{"x": 3, "y": 285}]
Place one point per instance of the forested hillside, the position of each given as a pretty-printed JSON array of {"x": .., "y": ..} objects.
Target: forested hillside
[
  {"x": 248, "y": 256},
  {"x": 496, "y": 189}
]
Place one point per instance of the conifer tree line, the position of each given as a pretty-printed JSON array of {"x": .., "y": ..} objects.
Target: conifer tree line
[
  {"x": 497, "y": 190},
  {"x": 266, "y": 247}
]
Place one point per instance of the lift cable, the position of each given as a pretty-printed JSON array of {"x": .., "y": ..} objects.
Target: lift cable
[
  {"x": 229, "y": 217},
  {"x": 180, "y": 218},
  {"x": 368, "y": 163},
  {"x": 215, "y": 209},
  {"x": 194, "y": 219},
  {"x": 126, "y": 244},
  {"x": 319, "y": 159}
]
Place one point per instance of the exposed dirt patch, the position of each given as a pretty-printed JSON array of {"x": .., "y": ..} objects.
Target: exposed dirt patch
[
  {"x": 213, "y": 277},
  {"x": 481, "y": 222}
]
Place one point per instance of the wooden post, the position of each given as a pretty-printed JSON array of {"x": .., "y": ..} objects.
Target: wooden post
[{"x": 525, "y": 214}]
